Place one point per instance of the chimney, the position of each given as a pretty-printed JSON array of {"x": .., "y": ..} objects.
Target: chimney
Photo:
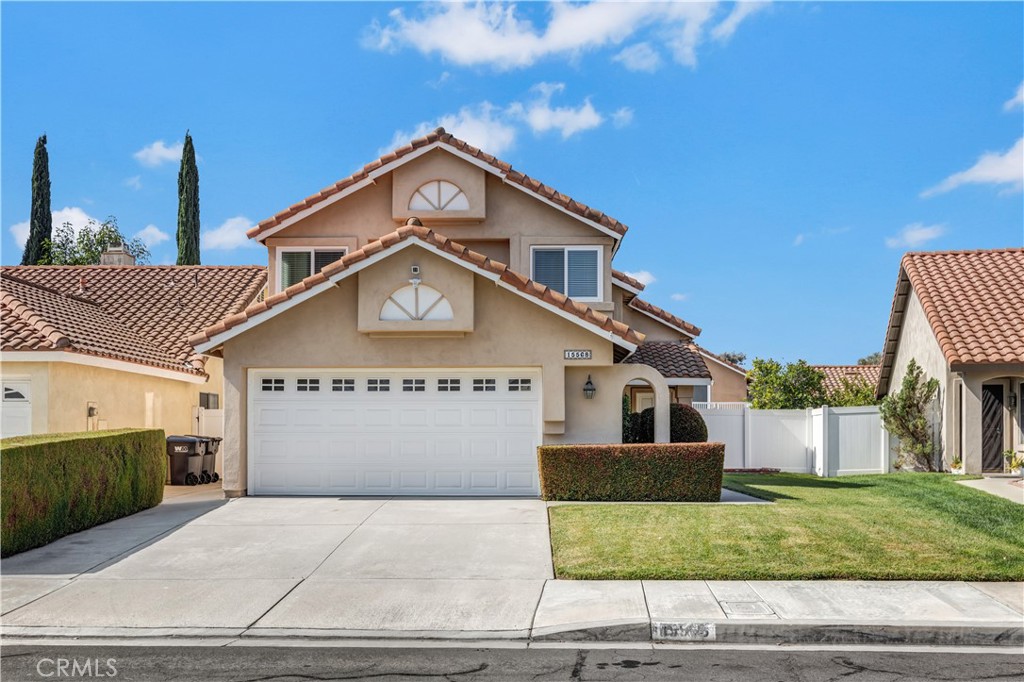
[{"x": 116, "y": 255}]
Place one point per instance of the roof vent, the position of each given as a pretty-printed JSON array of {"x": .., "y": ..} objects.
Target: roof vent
[{"x": 115, "y": 254}]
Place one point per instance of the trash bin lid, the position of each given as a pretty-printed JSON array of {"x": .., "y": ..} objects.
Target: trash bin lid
[{"x": 183, "y": 439}]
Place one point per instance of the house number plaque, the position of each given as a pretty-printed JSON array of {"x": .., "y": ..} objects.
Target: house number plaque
[{"x": 579, "y": 355}]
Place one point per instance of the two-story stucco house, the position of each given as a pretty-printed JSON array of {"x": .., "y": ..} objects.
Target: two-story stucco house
[
  {"x": 960, "y": 316},
  {"x": 430, "y": 320}
]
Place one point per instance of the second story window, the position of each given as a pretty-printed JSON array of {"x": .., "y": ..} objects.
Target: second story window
[
  {"x": 296, "y": 264},
  {"x": 572, "y": 270}
]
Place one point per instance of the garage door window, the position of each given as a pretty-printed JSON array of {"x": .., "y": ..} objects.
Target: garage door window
[
  {"x": 449, "y": 385},
  {"x": 414, "y": 385},
  {"x": 378, "y": 385},
  {"x": 13, "y": 395},
  {"x": 307, "y": 385},
  {"x": 519, "y": 385},
  {"x": 343, "y": 385},
  {"x": 484, "y": 385},
  {"x": 272, "y": 385}
]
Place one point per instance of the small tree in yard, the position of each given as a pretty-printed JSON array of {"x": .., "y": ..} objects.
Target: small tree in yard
[
  {"x": 796, "y": 386},
  {"x": 905, "y": 415}
]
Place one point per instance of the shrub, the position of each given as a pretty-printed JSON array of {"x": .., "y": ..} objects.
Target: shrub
[
  {"x": 686, "y": 425},
  {"x": 905, "y": 415},
  {"x": 58, "y": 484},
  {"x": 661, "y": 472}
]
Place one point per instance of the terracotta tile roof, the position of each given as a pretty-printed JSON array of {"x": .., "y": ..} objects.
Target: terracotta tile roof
[
  {"x": 441, "y": 243},
  {"x": 974, "y": 302},
  {"x": 440, "y": 135},
  {"x": 662, "y": 314},
  {"x": 141, "y": 314},
  {"x": 835, "y": 374},
  {"x": 623, "y": 277},
  {"x": 673, "y": 359}
]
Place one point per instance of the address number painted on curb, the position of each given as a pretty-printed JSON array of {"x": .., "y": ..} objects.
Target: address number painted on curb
[
  {"x": 683, "y": 632},
  {"x": 579, "y": 355}
]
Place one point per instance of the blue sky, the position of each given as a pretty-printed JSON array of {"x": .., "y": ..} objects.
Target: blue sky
[{"x": 772, "y": 161}]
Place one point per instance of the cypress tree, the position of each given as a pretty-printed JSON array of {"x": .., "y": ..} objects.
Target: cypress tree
[
  {"x": 188, "y": 206},
  {"x": 41, "y": 219}
]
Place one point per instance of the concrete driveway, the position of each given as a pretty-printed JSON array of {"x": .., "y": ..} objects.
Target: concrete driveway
[{"x": 198, "y": 564}]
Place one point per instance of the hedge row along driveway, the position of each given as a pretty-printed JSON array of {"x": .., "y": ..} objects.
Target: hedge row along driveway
[
  {"x": 883, "y": 527},
  {"x": 58, "y": 484}
]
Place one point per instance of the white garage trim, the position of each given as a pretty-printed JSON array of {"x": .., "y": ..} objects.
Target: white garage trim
[{"x": 431, "y": 432}]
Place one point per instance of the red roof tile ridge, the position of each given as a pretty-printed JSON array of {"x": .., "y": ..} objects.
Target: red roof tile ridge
[
  {"x": 444, "y": 137},
  {"x": 718, "y": 357},
  {"x": 631, "y": 281},
  {"x": 674, "y": 320},
  {"x": 23, "y": 311},
  {"x": 443, "y": 244}
]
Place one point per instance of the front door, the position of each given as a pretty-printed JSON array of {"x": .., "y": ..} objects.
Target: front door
[{"x": 992, "y": 428}]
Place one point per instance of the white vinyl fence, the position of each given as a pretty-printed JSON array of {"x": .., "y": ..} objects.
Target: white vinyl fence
[{"x": 827, "y": 441}]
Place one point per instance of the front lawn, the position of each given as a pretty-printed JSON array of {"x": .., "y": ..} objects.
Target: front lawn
[{"x": 885, "y": 527}]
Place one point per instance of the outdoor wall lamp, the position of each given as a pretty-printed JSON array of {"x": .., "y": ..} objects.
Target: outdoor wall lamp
[
  {"x": 1013, "y": 400},
  {"x": 588, "y": 389}
]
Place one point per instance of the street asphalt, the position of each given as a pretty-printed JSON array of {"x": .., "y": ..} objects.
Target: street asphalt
[{"x": 294, "y": 664}]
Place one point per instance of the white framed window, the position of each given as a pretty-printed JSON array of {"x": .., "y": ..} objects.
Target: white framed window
[
  {"x": 438, "y": 195},
  {"x": 416, "y": 302},
  {"x": 343, "y": 385},
  {"x": 307, "y": 385},
  {"x": 414, "y": 385},
  {"x": 296, "y": 263},
  {"x": 520, "y": 385},
  {"x": 272, "y": 385},
  {"x": 484, "y": 385},
  {"x": 378, "y": 385},
  {"x": 449, "y": 385},
  {"x": 572, "y": 270}
]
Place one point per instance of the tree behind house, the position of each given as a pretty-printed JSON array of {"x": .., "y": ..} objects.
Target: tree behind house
[
  {"x": 188, "y": 206},
  {"x": 41, "y": 219},
  {"x": 853, "y": 393},
  {"x": 873, "y": 359},
  {"x": 796, "y": 386},
  {"x": 84, "y": 248}
]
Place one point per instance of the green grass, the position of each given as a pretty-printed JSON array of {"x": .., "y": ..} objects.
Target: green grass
[{"x": 885, "y": 527}]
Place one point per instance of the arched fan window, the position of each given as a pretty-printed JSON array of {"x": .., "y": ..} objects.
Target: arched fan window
[
  {"x": 438, "y": 195},
  {"x": 416, "y": 302}
]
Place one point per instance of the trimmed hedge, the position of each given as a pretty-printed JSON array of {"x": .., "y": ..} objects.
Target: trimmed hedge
[
  {"x": 58, "y": 484},
  {"x": 686, "y": 425},
  {"x": 655, "y": 472}
]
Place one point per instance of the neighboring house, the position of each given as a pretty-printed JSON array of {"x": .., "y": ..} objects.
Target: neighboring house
[
  {"x": 836, "y": 376},
  {"x": 97, "y": 347},
  {"x": 960, "y": 315},
  {"x": 430, "y": 321}
]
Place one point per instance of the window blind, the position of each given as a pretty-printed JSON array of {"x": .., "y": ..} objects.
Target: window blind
[
  {"x": 322, "y": 258},
  {"x": 295, "y": 267},
  {"x": 583, "y": 274},
  {"x": 549, "y": 268}
]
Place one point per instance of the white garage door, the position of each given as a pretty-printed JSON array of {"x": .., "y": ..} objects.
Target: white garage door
[{"x": 388, "y": 432}]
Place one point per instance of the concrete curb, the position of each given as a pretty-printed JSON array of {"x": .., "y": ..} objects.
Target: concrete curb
[{"x": 689, "y": 632}]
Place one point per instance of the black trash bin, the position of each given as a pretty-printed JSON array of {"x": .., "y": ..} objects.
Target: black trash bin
[
  {"x": 185, "y": 459},
  {"x": 209, "y": 474}
]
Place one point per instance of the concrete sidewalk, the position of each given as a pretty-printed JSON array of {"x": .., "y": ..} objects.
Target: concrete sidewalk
[{"x": 1007, "y": 487}]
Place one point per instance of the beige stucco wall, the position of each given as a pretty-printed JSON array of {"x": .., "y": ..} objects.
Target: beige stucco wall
[
  {"x": 62, "y": 392},
  {"x": 729, "y": 386},
  {"x": 438, "y": 165},
  {"x": 653, "y": 329},
  {"x": 599, "y": 420},
  {"x": 322, "y": 331},
  {"x": 511, "y": 214}
]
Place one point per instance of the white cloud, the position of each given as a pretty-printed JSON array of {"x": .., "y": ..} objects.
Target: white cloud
[
  {"x": 152, "y": 235},
  {"x": 1016, "y": 101},
  {"x": 542, "y": 117},
  {"x": 69, "y": 214},
  {"x": 799, "y": 239},
  {"x": 497, "y": 34},
  {"x": 992, "y": 168},
  {"x": 483, "y": 125},
  {"x": 679, "y": 297},
  {"x": 915, "y": 235},
  {"x": 740, "y": 11},
  {"x": 134, "y": 182},
  {"x": 639, "y": 57},
  {"x": 159, "y": 153},
  {"x": 440, "y": 81},
  {"x": 643, "y": 276},
  {"x": 622, "y": 117},
  {"x": 229, "y": 235}
]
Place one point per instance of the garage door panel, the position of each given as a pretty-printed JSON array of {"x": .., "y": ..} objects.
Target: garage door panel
[{"x": 441, "y": 438}]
